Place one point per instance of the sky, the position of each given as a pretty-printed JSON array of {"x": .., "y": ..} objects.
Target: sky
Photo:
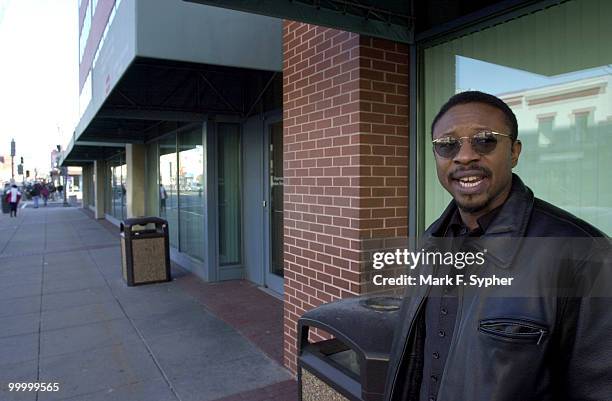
[
  {"x": 478, "y": 74},
  {"x": 38, "y": 78}
]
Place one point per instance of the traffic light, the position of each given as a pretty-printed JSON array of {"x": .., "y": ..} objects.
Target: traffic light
[
  {"x": 21, "y": 159},
  {"x": 27, "y": 173},
  {"x": 20, "y": 169}
]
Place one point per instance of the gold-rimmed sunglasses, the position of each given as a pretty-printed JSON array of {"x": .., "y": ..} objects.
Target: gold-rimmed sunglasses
[{"x": 483, "y": 142}]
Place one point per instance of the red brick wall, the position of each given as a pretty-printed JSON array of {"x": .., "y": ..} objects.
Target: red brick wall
[{"x": 345, "y": 101}]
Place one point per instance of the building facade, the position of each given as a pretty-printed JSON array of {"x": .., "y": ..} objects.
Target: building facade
[
  {"x": 180, "y": 118},
  {"x": 351, "y": 132}
]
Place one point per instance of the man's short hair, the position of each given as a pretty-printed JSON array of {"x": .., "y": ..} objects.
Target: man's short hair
[{"x": 480, "y": 97}]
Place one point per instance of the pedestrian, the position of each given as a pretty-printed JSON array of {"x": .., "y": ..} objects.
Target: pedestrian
[
  {"x": 35, "y": 192},
  {"x": 13, "y": 196},
  {"x": 162, "y": 198},
  {"x": 546, "y": 338},
  {"x": 44, "y": 192}
]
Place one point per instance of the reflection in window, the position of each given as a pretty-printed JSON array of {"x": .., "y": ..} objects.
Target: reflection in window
[
  {"x": 168, "y": 188},
  {"x": 191, "y": 193},
  {"x": 84, "y": 35},
  {"x": 581, "y": 121},
  {"x": 545, "y": 131},
  {"x": 565, "y": 161},
  {"x": 229, "y": 194}
]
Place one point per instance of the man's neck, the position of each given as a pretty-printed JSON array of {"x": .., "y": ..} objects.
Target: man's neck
[{"x": 471, "y": 219}]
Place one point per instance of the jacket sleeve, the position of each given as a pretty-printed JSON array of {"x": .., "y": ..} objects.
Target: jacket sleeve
[{"x": 588, "y": 318}]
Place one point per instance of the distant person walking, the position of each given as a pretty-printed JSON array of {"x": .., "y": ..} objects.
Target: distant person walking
[
  {"x": 12, "y": 197},
  {"x": 45, "y": 193},
  {"x": 35, "y": 192},
  {"x": 162, "y": 198}
]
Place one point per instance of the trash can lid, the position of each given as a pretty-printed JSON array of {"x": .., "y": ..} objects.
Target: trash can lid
[
  {"x": 365, "y": 324},
  {"x": 141, "y": 221}
]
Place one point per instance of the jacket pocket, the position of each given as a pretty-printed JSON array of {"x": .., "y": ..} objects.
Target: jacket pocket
[{"x": 515, "y": 330}]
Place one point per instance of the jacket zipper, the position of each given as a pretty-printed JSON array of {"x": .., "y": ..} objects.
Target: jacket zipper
[
  {"x": 416, "y": 313},
  {"x": 406, "y": 342}
]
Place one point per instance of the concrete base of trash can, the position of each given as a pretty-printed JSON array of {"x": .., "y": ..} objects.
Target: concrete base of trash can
[{"x": 314, "y": 389}]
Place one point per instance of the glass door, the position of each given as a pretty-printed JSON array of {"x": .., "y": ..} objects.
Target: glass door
[
  {"x": 275, "y": 269},
  {"x": 168, "y": 188}
]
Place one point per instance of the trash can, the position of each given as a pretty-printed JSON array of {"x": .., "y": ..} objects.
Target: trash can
[
  {"x": 353, "y": 365},
  {"x": 145, "y": 253}
]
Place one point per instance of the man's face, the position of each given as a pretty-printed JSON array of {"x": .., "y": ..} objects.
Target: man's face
[{"x": 478, "y": 183}]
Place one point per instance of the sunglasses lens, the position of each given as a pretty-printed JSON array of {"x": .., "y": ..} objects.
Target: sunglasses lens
[
  {"x": 484, "y": 144},
  {"x": 447, "y": 149}
]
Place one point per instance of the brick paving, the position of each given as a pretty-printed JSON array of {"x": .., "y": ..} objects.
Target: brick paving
[{"x": 283, "y": 391}]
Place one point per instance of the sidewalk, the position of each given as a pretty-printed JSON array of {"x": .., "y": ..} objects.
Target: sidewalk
[{"x": 67, "y": 317}]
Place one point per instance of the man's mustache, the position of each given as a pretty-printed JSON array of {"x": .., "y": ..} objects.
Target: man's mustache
[{"x": 471, "y": 170}]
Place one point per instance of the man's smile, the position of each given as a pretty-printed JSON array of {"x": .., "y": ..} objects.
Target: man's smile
[{"x": 469, "y": 182}]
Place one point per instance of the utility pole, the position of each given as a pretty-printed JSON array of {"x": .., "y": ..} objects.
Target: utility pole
[
  {"x": 13, "y": 159},
  {"x": 63, "y": 170}
]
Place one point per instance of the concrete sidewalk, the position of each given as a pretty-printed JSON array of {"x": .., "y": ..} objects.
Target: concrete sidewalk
[{"x": 66, "y": 317}]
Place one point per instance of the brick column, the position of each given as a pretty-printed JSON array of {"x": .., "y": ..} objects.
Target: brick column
[{"x": 345, "y": 102}]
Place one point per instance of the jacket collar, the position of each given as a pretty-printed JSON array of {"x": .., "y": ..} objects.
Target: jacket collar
[{"x": 511, "y": 221}]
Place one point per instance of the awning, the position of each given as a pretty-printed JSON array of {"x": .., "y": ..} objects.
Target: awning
[
  {"x": 157, "y": 97},
  {"x": 81, "y": 153},
  {"x": 387, "y": 19}
]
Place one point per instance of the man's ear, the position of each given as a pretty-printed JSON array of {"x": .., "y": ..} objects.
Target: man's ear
[{"x": 517, "y": 146}]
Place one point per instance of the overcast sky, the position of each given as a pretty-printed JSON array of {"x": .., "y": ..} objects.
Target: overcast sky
[{"x": 38, "y": 77}]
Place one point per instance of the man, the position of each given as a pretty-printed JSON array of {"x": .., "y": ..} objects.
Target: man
[
  {"x": 35, "y": 192},
  {"x": 529, "y": 341},
  {"x": 162, "y": 198},
  {"x": 44, "y": 192},
  {"x": 12, "y": 197}
]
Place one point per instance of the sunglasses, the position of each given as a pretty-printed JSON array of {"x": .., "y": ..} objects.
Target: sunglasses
[{"x": 483, "y": 142}]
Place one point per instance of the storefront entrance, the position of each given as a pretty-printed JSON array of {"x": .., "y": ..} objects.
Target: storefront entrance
[{"x": 274, "y": 267}]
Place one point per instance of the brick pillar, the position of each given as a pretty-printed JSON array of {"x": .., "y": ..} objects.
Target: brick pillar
[{"x": 345, "y": 102}]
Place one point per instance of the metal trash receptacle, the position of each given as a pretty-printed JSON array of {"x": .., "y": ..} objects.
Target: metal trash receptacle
[
  {"x": 145, "y": 252},
  {"x": 353, "y": 365}
]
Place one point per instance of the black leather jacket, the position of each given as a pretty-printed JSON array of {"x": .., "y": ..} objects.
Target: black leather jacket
[{"x": 536, "y": 345}]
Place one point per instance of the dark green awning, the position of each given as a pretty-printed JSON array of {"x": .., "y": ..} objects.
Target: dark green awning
[{"x": 388, "y": 19}]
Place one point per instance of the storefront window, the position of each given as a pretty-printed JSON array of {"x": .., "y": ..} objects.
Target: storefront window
[
  {"x": 229, "y": 194},
  {"x": 553, "y": 69},
  {"x": 168, "y": 188},
  {"x": 191, "y": 193},
  {"x": 118, "y": 177}
]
